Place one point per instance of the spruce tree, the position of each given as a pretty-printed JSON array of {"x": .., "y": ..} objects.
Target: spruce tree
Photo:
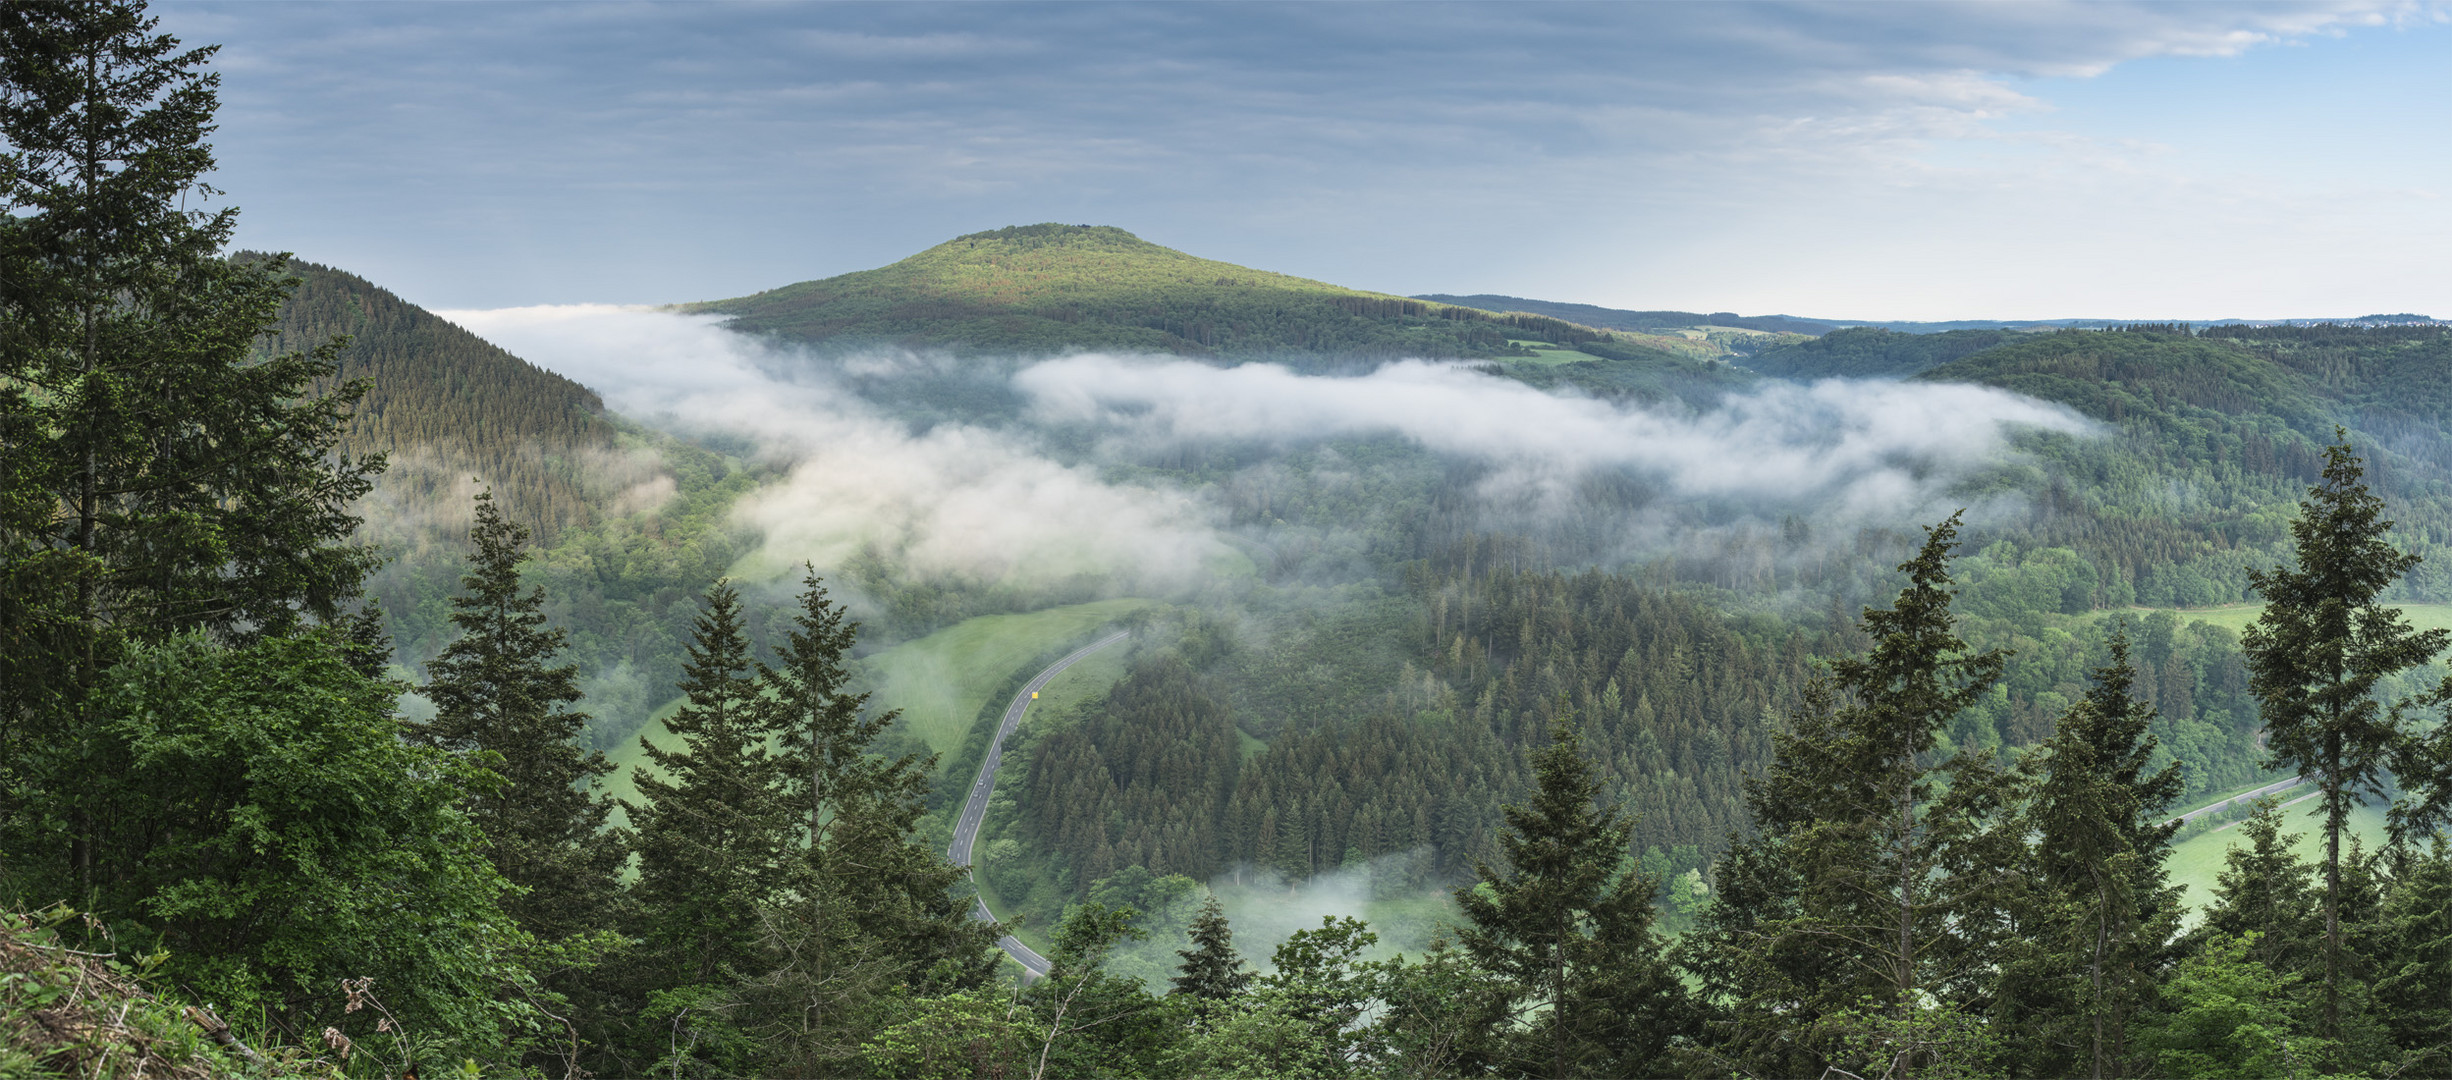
[
  {"x": 864, "y": 909},
  {"x": 2102, "y": 909},
  {"x": 2263, "y": 890},
  {"x": 1870, "y": 907},
  {"x": 161, "y": 477},
  {"x": 2315, "y": 656},
  {"x": 1212, "y": 970},
  {"x": 2413, "y": 985},
  {"x": 497, "y": 694},
  {"x": 714, "y": 832},
  {"x": 1569, "y": 924}
]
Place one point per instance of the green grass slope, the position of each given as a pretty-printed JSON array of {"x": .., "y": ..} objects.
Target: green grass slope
[
  {"x": 2197, "y": 862},
  {"x": 942, "y": 681},
  {"x": 1040, "y": 289}
]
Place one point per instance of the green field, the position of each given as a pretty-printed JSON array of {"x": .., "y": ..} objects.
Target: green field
[
  {"x": 1545, "y": 353},
  {"x": 941, "y": 681},
  {"x": 2236, "y": 617},
  {"x": 2198, "y": 861}
]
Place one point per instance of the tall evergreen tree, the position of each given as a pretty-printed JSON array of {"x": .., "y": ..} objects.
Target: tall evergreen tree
[
  {"x": 1569, "y": 923},
  {"x": 1211, "y": 971},
  {"x": 1872, "y": 900},
  {"x": 160, "y": 476},
  {"x": 863, "y": 907},
  {"x": 2315, "y": 656},
  {"x": 2103, "y": 909},
  {"x": 714, "y": 833},
  {"x": 497, "y": 693}
]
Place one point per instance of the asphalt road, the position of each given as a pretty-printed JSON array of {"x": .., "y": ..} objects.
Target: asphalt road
[
  {"x": 966, "y": 830},
  {"x": 2243, "y": 799}
]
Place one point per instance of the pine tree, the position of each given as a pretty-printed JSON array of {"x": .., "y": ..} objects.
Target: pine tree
[
  {"x": 1212, "y": 970},
  {"x": 160, "y": 477},
  {"x": 2103, "y": 909},
  {"x": 714, "y": 832},
  {"x": 495, "y": 696},
  {"x": 1569, "y": 924},
  {"x": 865, "y": 907},
  {"x": 2413, "y": 986},
  {"x": 2263, "y": 890},
  {"x": 1870, "y": 905},
  {"x": 2315, "y": 656}
]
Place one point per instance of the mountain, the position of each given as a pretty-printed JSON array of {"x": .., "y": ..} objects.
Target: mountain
[
  {"x": 1041, "y": 289},
  {"x": 446, "y": 404},
  {"x": 1620, "y": 319}
]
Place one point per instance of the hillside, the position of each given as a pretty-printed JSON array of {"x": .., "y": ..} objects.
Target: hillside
[
  {"x": 2216, "y": 435},
  {"x": 1040, "y": 289},
  {"x": 446, "y": 404}
]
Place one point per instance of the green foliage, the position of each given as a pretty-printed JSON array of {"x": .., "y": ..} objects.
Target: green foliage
[
  {"x": 958, "y": 1036},
  {"x": 1868, "y": 352},
  {"x": 265, "y": 821},
  {"x": 1568, "y": 924},
  {"x": 713, "y": 827},
  {"x": 2228, "y": 1015},
  {"x": 160, "y": 476},
  {"x": 1212, "y": 970},
  {"x": 497, "y": 702},
  {"x": 2263, "y": 896},
  {"x": 2100, "y": 915},
  {"x": 1871, "y": 894},
  {"x": 2316, "y": 655}
]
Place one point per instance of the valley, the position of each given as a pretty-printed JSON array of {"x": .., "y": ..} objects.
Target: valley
[
  {"x": 683, "y": 592},
  {"x": 1372, "y": 543}
]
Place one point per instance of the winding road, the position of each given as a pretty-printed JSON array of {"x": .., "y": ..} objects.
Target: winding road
[{"x": 966, "y": 830}]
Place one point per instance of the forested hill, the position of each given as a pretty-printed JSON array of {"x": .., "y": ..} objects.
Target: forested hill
[
  {"x": 2217, "y": 433},
  {"x": 446, "y": 404},
  {"x": 1038, "y": 289}
]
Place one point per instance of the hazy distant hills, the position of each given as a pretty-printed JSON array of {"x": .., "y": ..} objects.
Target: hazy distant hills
[
  {"x": 1039, "y": 289},
  {"x": 446, "y": 404},
  {"x": 1621, "y": 319}
]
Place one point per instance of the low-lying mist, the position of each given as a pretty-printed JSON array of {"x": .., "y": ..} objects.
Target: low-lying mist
[{"x": 979, "y": 472}]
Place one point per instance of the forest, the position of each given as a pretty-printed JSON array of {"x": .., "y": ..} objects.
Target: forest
[{"x": 375, "y": 703}]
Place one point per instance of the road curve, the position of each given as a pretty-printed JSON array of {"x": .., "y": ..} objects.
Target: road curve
[
  {"x": 966, "y": 830},
  {"x": 2274, "y": 788}
]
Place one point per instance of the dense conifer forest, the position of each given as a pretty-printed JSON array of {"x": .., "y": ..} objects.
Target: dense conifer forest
[
  {"x": 445, "y": 403},
  {"x": 285, "y": 793}
]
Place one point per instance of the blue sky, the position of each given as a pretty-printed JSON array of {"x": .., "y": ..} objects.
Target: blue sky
[{"x": 1862, "y": 160}]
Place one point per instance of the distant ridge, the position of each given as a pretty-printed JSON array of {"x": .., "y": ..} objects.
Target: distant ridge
[
  {"x": 1620, "y": 319},
  {"x": 1048, "y": 288}
]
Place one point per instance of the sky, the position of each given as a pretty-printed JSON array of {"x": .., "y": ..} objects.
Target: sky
[{"x": 1862, "y": 160}]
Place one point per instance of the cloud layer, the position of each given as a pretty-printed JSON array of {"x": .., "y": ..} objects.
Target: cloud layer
[
  {"x": 1855, "y": 449},
  {"x": 956, "y": 502},
  {"x": 987, "y": 502}
]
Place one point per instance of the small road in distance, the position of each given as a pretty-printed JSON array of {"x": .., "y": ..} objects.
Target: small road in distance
[
  {"x": 966, "y": 829},
  {"x": 2242, "y": 799}
]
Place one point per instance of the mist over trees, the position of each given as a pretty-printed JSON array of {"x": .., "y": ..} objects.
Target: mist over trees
[{"x": 1763, "y": 809}]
